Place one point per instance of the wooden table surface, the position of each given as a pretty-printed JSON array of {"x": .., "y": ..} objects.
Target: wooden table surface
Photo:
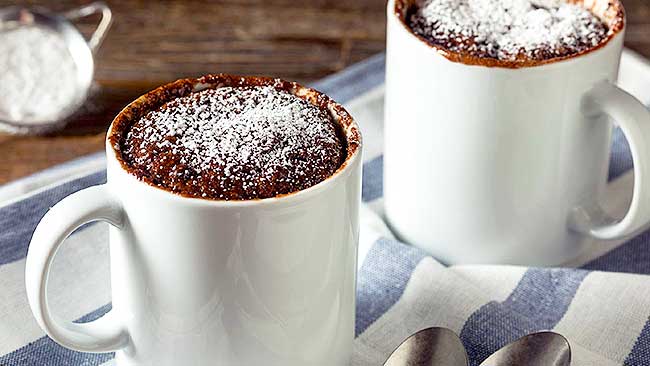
[{"x": 154, "y": 42}]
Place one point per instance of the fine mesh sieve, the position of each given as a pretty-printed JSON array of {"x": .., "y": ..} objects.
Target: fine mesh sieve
[{"x": 80, "y": 51}]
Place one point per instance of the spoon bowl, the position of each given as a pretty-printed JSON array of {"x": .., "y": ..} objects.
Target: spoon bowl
[
  {"x": 538, "y": 349},
  {"x": 429, "y": 347}
]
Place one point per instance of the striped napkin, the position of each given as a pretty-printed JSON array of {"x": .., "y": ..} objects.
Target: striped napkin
[{"x": 600, "y": 301}]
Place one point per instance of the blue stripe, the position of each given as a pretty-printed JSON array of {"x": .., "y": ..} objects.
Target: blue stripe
[
  {"x": 539, "y": 301},
  {"x": 45, "y": 352},
  {"x": 373, "y": 182},
  {"x": 631, "y": 257},
  {"x": 96, "y": 314},
  {"x": 383, "y": 278},
  {"x": 640, "y": 354},
  {"x": 621, "y": 158},
  {"x": 18, "y": 220}
]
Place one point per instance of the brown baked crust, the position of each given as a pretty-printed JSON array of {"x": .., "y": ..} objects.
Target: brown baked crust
[
  {"x": 157, "y": 98},
  {"x": 611, "y": 12}
]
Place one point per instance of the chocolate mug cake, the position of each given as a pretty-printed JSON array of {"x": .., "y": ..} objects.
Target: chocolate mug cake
[
  {"x": 512, "y": 32},
  {"x": 234, "y": 143}
]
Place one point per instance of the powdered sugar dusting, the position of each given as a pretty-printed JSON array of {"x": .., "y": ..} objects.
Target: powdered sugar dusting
[
  {"x": 508, "y": 30},
  {"x": 235, "y": 143}
]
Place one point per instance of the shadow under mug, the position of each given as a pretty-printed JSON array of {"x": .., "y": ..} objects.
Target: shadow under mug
[
  {"x": 506, "y": 164},
  {"x": 205, "y": 282}
]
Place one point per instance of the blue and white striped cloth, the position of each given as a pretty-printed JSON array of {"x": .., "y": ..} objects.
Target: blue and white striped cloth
[{"x": 600, "y": 302}]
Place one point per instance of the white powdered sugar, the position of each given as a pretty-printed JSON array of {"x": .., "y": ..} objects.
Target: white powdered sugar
[
  {"x": 37, "y": 74},
  {"x": 508, "y": 29},
  {"x": 235, "y": 143}
]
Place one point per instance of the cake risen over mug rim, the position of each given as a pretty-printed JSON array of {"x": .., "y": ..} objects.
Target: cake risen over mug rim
[
  {"x": 610, "y": 12},
  {"x": 157, "y": 98}
]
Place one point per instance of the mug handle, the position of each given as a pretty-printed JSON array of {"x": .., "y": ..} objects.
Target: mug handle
[
  {"x": 104, "y": 24},
  {"x": 634, "y": 120},
  {"x": 106, "y": 334}
]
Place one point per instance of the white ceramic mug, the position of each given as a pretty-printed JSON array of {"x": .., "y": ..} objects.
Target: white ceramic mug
[
  {"x": 496, "y": 164},
  {"x": 206, "y": 282}
]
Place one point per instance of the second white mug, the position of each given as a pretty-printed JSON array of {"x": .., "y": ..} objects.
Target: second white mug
[{"x": 493, "y": 164}]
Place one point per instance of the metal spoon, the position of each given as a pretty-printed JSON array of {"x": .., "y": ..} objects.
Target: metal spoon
[
  {"x": 429, "y": 347},
  {"x": 538, "y": 349}
]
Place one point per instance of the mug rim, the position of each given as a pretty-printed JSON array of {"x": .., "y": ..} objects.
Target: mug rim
[
  {"x": 617, "y": 25},
  {"x": 182, "y": 87}
]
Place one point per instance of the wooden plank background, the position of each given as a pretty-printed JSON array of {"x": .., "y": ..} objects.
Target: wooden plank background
[{"x": 153, "y": 42}]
